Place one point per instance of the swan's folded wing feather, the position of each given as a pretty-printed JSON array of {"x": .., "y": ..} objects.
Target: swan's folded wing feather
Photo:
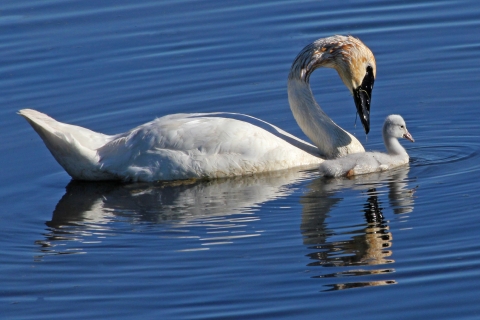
[{"x": 174, "y": 147}]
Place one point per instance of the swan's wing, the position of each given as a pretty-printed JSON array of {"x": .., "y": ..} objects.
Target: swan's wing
[
  {"x": 281, "y": 134},
  {"x": 198, "y": 145},
  {"x": 190, "y": 133}
]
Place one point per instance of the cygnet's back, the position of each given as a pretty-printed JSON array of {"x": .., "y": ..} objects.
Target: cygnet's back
[{"x": 367, "y": 162}]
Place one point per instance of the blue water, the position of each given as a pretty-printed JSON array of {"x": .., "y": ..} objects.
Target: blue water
[{"x": 291, "y": 245}]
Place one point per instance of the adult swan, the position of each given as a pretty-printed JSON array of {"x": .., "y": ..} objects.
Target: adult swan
[{"x": 201, "y": 145}]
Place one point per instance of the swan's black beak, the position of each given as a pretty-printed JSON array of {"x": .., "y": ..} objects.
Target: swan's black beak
[{"x": 362, "y": 95}]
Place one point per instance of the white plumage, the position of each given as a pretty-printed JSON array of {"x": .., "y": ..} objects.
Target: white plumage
[
  {"x": 394, "y": 128},
  {"x": 184, "y": 146}
]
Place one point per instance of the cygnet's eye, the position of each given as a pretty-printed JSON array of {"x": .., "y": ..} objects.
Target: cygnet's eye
[{"x": 402, "y": 126}]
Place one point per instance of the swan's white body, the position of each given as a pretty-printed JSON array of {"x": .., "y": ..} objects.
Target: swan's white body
[
  {"x": 185, "y": 146},
  {"x": 179, "y": 146},
  {"x": 368, "y": 162}
]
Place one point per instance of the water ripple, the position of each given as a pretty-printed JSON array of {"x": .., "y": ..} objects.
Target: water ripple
[{"x": 442, "y": 154}]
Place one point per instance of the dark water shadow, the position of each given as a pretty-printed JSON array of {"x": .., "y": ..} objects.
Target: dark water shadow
[{"x": 362, "y": 249}]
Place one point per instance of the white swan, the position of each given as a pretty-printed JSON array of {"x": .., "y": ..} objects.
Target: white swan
[
  {"x": 367, "y": 162},
  {"x": 199, "y": 145}
]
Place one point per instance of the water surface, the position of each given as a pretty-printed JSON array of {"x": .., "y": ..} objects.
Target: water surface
[{"x": 401, "y": 244}]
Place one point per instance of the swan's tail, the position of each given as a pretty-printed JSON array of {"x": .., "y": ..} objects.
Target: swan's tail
[{"x": 75, "y": 148}]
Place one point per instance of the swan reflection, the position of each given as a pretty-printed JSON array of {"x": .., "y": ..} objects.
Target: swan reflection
[
  {"x": 220, "y": 211},
  {"x": 357, "y": 245}
]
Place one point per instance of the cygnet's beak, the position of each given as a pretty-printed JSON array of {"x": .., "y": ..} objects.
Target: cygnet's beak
[
  {"x": 408, "y": 136},
  {"x": 362, "y": 95}
]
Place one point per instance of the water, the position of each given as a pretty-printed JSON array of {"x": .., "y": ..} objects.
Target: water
[{"x": 401, "y": 245}]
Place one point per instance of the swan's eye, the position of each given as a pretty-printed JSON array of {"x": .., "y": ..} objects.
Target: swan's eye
[{"x": 402, "y": 127}]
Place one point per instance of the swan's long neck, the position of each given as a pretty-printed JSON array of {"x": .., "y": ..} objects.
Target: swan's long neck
[
  {"x": 393, "y": 146},
  {"x": 331, "y": 140}
]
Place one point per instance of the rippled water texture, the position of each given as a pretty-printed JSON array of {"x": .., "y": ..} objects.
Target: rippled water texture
[{"x": 402, "y": 244}]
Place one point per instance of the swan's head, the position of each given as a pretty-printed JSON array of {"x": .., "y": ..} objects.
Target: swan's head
[
  {"x": 352, "y": 59},
  {"x": 394, "y": 126}
]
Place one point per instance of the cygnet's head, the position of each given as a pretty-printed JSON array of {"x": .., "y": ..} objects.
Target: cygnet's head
[{"x": 395, "y": 126}]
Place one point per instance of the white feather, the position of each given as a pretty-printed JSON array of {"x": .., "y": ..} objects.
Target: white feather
[
  {"x": 368, "y": 162},
  {"x": 184, "y": 146}
]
